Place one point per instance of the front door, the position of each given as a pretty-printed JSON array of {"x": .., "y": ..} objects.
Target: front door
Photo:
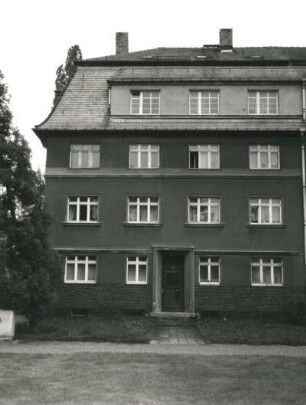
[{"x": 173, "y": 283}]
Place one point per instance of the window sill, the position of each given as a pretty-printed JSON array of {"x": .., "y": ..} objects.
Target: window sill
[
  {"x": 210, "y": 284},
  {"x": 139, "y": 283},
  {"x": 143, "y": 225},
  {"x": 268, "y": 285},
  {"x": 81, "y": 282},
  {"x": 199, "y": 225},
  {"x": 82, "y": 223},
  {"x": 270, "y": 226}
]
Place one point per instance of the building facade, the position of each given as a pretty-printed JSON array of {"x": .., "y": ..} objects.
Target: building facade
[{"x": 176, "y": 180}]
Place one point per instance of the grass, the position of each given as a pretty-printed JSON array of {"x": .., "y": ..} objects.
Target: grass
[
  {"x": 252, "y": 331},
  {"x": 118, "y": 328},
  {"x": 150, "y": 379}
]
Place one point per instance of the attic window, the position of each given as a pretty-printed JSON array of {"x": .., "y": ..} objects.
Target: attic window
[
  {"x": 226, "y": 50},
  {"x": 201, "y": 57},
  {"x": 147, "y": 57},
  {"x": 256, "y": 57}
]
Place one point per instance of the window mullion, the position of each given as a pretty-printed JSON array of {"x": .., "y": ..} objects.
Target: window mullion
[{"x": 78, "y": 209}]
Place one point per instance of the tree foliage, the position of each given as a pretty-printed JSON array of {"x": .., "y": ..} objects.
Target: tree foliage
[
  {"x": 29, "y": 269},
  {"x": 65, "y": 72}
]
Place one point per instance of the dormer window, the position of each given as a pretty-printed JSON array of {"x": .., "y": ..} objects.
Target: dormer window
[{"x": 145, "y": 102}]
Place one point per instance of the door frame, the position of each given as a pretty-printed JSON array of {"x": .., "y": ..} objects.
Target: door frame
[{"x": 188, "y": 253}]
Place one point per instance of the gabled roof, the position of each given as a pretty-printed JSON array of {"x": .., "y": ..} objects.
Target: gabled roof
[{"x": 208, "y": 53}]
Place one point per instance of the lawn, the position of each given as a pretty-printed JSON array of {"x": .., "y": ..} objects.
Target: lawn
[
  {"x": 254, "y": 331},
  {"x": 150, "y": 379}
]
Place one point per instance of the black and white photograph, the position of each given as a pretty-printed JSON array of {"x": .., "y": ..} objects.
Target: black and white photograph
[{"x": 152, "y": 202}]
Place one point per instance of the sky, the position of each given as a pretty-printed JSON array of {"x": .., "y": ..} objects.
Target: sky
[{"x": 36, "y": 35}]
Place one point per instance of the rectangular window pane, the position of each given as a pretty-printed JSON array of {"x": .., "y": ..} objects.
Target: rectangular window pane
[
  {"x": 133, "y": 159},
  {"x": 96, "y": 159},
  {"x": 193, "y": 214},
  {"x": 72, "y": 216},
  {"x": 154, "y": 214},
  {"x": 132, "y": 213},
  {"x": 85, "y": 159},
  {"x": 278, "y": 277},
  {"x": 204, "y": 274},
  {"x": 81, "y": 272},
  {"x": 142, "y": 273},
  {"x": 255, "y": 275},
  {"x": 70, "y": 272},
  {"x": 267, "y": 275},
  {"x": 203, "y": 214},
  {"x": 74, "y": 159},
  {"x": 265, "y": 217},
  {"x": 143, "y": 214},
  {"x": 94, "y": 213},
  {"x": 214, "y": 274},
  {"x": 131, "y": 273},
  {"x": 215, "y": 214},
  {"x": 91, "y": 272},
  {"x": 83, "y": 212},
  {"x": 144, "y": 159},
  {"x": 194, "y": 160},
  {"x": 154, "y": 160}
]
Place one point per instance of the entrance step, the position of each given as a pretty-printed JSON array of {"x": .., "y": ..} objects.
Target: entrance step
[
  {"x": 171, "y": 315},
  {"x": 174, "y": 318}
]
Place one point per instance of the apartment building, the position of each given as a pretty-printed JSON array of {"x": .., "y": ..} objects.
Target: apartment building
[{"x": 176, "y": 180}]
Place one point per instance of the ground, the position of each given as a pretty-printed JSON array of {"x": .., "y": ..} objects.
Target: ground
[{"x": 115, "y": 374}]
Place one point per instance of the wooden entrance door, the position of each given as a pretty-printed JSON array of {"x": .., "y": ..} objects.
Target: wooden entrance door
[{"x": 173, "y": 283}]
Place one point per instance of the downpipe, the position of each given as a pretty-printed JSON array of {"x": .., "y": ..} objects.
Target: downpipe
[{"x": 303, "y": 129}]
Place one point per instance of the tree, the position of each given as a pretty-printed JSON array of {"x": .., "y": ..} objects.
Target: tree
[
  {"x": 65, "y": 73},
  {"x": 29, "y": 269}
]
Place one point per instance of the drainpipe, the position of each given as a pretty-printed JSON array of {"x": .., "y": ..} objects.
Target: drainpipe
[{"x": 303, "y": 129}]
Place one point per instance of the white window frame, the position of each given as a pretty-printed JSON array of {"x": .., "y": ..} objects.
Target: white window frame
[
  {"x": 148, "y": 204},
  {"x": 272, "y": 263},
  {"x": 139, "y": 261},
  {"x": 258, "y": 151},
  {"x": 141, "y": 148},
  {"x": 79, "y": 149},
  {"x": 209, "y": 203},
  {"x": 269, "y": 95},
  {"x": 87, "y": 261},
  {"x": 209, "y": 261},
  {"x": 208, "y": 149},
  {"x": 91, "y": 201},
  {"x": 273, "y": 202},
  {"x": 198, "y": 95},
  {"x": 140, "y": 99}
]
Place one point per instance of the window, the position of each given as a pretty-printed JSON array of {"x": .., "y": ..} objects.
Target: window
[
  {"x": 203, "y": 102},
  {"x": 144, "y": 156},
  {"x": 136, "y": 270},
  {"x": 267, "y": 271},
  {"x": 80, "y": 269},
  {"x": 145, "y": 102},
  {"x": 264, "y": 157},
  {"x": 204, "y": 157},
  {"x": 266, "y": 211},
  {"x": 204, "y": 210},
  {"x": 82, "y": 209},
  {"x": 263, "y": 102},
  {"x": 143, "y": 210},
  {"x": 84, "y": 156},
  {"x": 209, "y": 270}
]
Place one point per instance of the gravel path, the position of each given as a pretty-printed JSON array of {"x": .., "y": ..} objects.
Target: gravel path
[{"x": 193, "y": 349}]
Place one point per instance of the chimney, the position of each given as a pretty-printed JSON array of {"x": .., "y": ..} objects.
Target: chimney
[
  {"x": 226, "y": 39},
  {"x": 122, "y": 43}
]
